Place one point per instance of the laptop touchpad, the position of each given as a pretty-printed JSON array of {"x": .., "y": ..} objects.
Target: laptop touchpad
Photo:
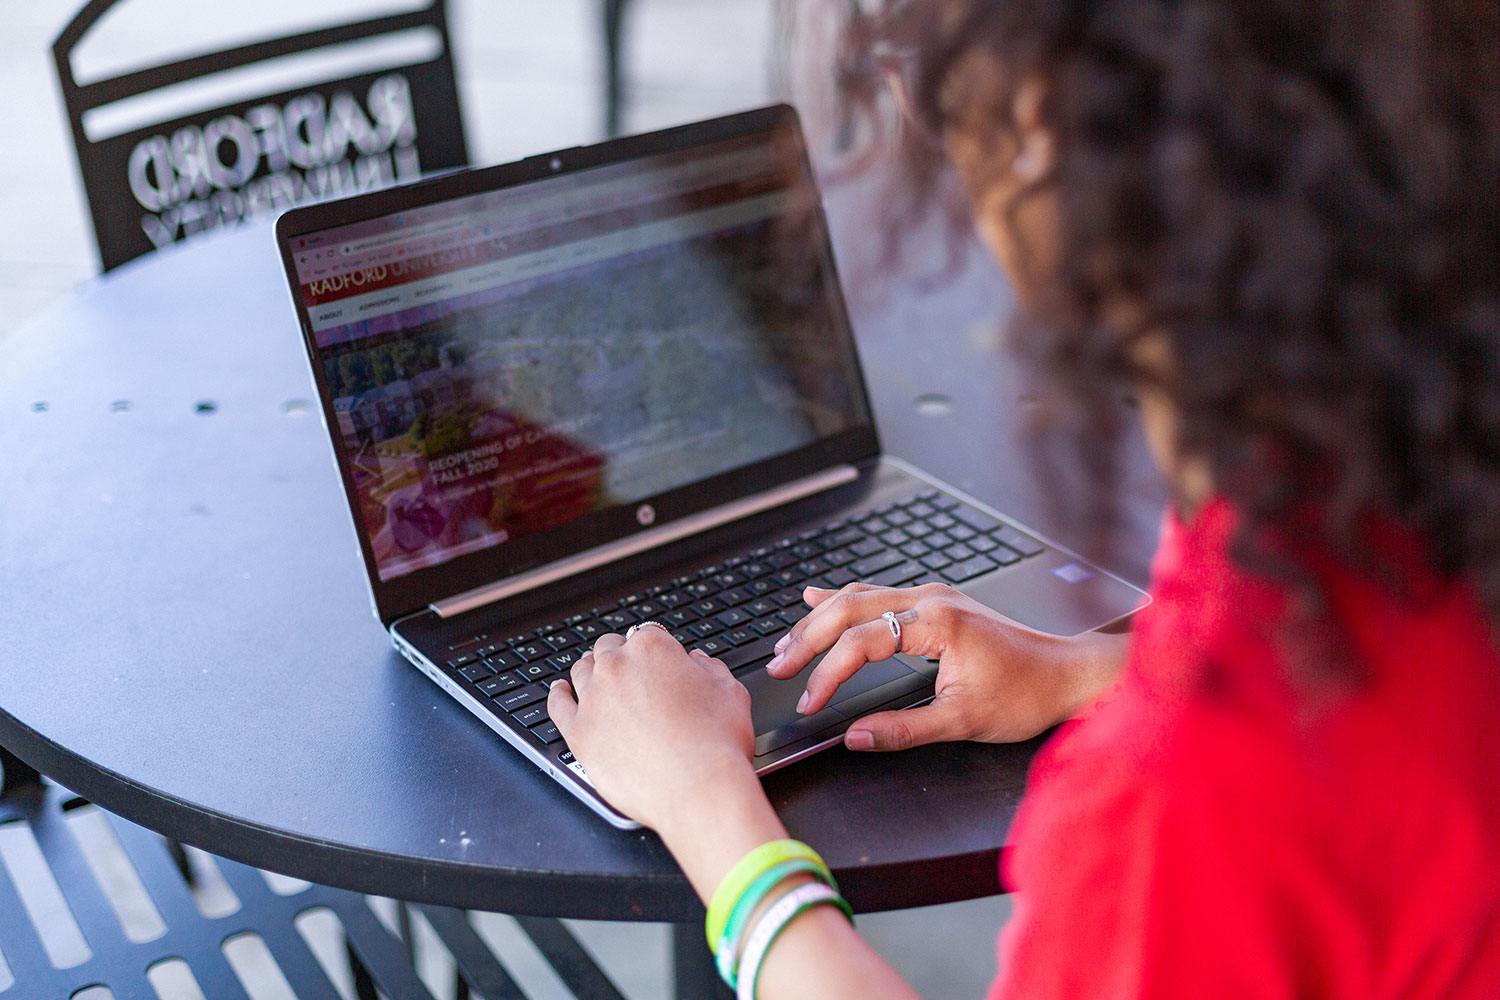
[{"x": 773, "y": 703}]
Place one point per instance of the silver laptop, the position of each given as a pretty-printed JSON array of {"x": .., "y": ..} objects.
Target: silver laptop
[{"x": 614, "y": 384}]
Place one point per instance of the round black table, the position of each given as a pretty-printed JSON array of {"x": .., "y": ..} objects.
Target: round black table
[{"x": 189, "y": 641}]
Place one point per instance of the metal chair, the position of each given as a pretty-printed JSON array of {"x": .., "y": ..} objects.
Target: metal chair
[
  {"x": 376, "y": 958},
  {"x": 155, "y": 176}
]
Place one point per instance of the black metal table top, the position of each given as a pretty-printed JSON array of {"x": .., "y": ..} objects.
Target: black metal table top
[{"x": 189, "y": 641}]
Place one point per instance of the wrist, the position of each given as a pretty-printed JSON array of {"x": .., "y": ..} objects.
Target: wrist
[
  {"x": 718, "y": 819},
  {"x": 1094, "y": 673}
]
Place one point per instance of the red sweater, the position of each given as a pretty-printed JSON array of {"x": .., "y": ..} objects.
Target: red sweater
[{"x": 1215, "y": 829}]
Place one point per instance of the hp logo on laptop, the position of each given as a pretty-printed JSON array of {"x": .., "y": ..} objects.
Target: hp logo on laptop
[{"x": 646, "y": 515}]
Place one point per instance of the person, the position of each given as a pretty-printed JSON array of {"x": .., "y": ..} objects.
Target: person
[{"x": 1278, "y": 225}]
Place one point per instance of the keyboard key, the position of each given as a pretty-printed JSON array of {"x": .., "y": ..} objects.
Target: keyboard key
[
  {"x": 791, "y": 597},
  {"x": 768, "y": 626},
  {"x": 734, "y": 596},
  {"x": 532, "y": 714},
  {"x": 679, "y": 616},
  {"x": 529, "y": 651},
  {"x": 961, "y": 532},
  {"x": 944, "y": 502},
  {"x": 705, "y": 628},
  {"x": 499, "y": 684},
  {"x": 919, "y": 529},
  {"x": 459, "y": 661},
  {"x": 546, "y": 733},
  {"x": 812, "y": 567},
  {"x": 648, "y": 610},
  {"x": 1003, "y": 554},
  {"x": 562, "y": 640},
  {"x": 764, "y": 586},
  {"x": 977, "y": 520},
  {"x": 1024, "y": 544},
  {"x": 701, "y": 588},
  {"x": 780, "y": 560},
  {"x": 740, "y": 636},
  {"x": 475, "y": 672},
  {"x": 752, "y": 654},
  {"x": 959, "y": 552},
  {"x": 715, "y": 645},
  {"x": 619, "y": 621},
  {"x": 839, "y": 557},
  {"x": 536, "y": 670},
  {"x": 941, "y": 521},
  {"x": 788, "y": 577},
  {"x": 836, "y": 578},
  {"x": 897, "y": 518},
  {"x": 732, "y": 617},
  {"x": 565, "y": 659},
  {"x": 839, "y": 539},
  {"x": 707, "y": 606},
  {"x": 684, "y": 638},
  {"x": 756, "y": 568},
  {"x": 502, "y": 660},
  {"x": 915, "y": 550},
  {"x": 791, "y": 616},
  {"x": 935, "y": 561},
  {"x": 897, "y": 575},
  {"x": 874, "y": 564},
  {"x": 521, "y": 697},
  {"x": 921, "y": 509},
  {"x": 761, "y": 606},
  {"x": 865, "y": 548},
  {"x": 589, "y": 631},
  {"x": 970, "y": 568}
]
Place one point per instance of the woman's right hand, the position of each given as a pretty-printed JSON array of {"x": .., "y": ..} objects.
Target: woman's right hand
[{"x": 998, "y": 681}]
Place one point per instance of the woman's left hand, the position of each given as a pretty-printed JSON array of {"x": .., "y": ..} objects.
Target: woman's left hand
[{"x": 655, "y": 727}]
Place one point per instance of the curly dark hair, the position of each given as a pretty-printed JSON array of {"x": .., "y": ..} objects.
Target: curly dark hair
[{"x": 1302, "y": 196}]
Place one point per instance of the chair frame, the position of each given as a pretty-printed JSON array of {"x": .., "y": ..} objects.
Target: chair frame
[{"x": 440, "y": 143}]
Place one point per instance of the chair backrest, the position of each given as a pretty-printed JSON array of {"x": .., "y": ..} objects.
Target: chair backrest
[{"x": 367, "y": 104}]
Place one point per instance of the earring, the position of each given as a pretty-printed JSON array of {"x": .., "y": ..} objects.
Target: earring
[{"x": 1033, "y": 159}]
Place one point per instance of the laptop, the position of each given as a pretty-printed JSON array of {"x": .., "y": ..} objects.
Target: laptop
[{"x": 617, "y": 384}]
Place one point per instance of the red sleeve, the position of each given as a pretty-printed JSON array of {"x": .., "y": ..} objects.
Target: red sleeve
[{"x": 1135, "y": 882}]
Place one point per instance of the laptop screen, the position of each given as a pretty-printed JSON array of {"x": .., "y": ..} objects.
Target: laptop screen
[{"x": 510, "y": 361}]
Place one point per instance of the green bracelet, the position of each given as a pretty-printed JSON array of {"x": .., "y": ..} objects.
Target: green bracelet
[
  {"x": 744, "y": 873},
  {"x": 727, "y": 953}
]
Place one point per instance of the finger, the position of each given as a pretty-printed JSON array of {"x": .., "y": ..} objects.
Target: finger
[
  {"x": 855, "y": 604},
  {"x": 710, "y": 663},
  {"x": 562, "y": 707},
  {"x": 861, "y": 644},
  {"x": 608, "y": 641},
  {"x": 582, "y": 673},
  {"x": 934, "y": 722}
]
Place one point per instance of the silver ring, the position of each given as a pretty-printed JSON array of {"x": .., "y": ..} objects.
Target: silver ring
[
  {"x": 895, "y": 626},
  {"x": 640, "y": 625}
]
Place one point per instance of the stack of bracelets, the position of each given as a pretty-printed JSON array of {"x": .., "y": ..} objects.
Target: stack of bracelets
[{"x": 739, "y": 946}]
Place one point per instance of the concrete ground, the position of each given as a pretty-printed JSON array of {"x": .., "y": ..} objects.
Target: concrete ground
[{"x": 530, "y": 80}]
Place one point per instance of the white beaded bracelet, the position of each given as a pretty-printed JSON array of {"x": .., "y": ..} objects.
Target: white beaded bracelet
[{"x": 771, "y": 924}]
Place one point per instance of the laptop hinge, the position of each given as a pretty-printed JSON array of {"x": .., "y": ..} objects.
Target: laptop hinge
[{"x": 644, "y": 541}]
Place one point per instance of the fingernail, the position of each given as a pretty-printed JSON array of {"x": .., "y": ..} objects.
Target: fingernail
[
  {"x": 775, "y": 662},
  {"x": 801, "y": 704},
  {"x": 781, "y": 643},
  {"x": 818, "y": 590},
  {"x": 859, "y": 739}
]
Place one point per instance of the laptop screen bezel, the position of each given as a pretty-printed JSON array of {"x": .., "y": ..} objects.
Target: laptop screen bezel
[{"x": 402, "y": 595}]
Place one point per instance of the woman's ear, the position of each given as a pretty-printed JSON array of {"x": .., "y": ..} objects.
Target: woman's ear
[{"x": 1034, "y": 148}]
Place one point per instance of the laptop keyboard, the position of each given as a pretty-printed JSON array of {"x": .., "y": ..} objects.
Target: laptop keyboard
[{"x": 736, "y": 609}]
